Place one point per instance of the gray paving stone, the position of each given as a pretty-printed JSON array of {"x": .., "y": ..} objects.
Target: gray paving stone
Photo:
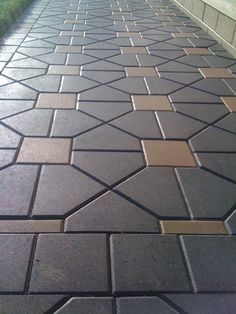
[
  {"x": 111, "y": 213},
  {"x": 214, "y": 140},
  {"x": 87, "y": 305},
  {"x": 219, "y": 62},
  {"x": 34, "y": 122},
  {"x": 17, "y": 91},
  {"x": 191, "y": 95},
  {"x": 228, "y": 123},
  {"x": 103, "y": 76},
  {"x": 71, "y": 123},
  {"x": 153, "y": 262},
  {"x": 22, "y": 74},
  {"x": 202, "y": 251},
  {"x": 231, "y": 83},
  {"x": 143, "y": 305},
  {"x": 79, "y": 59},
  {"x": 109, "y": 167},
  {"x": 214, "y": 86},
  {"x": 207, "y": 195},
  {"x": 194, "y": 61},
  {"x": 130, "y": 85},
  {"x": 150, "y": 61},
  {"x": 202, "y": 43},
  {"x": 102, "y": 54},
  {"x": 15, "y": 253},
  {"x": 55, "y": 270},
  {"x": 27, "y": 63},
  {"x": 178, "y": 126},
  {"x": 231, "y": 223},
  {"x": 76, "y": 84},
  {"x": 105, "y": 110},
  {"x": 151, "y": 188},
  {"x": 44, "y": 83},
  {"x": 106, "y": 138},
  {"x": 6, "y": 157},
  {"x": 173, "y": 66},
  {"x": 8, "y": 138},
  {"x": 103, "y": 65},
  {"x": 204, "y": 303},
  {"x": 223, "y": 164},
  {"x": 125, "y": 60},
  {"x": 168, "y": 54},
  {"x": 136, "y": 123},
  {"x": 160, "y": 86}
]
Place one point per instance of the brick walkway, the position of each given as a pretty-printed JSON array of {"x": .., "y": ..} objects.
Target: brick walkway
[{"x": 118, "y": 162}]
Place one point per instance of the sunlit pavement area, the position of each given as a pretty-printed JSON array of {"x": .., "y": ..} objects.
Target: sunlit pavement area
[{"x": 118, "y": 162}]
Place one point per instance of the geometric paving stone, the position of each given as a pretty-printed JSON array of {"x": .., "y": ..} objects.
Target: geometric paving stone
[
  {"x": 111, "y": 213},
  {"x": 76, "y": 84},
  {"x": 215, "y": 73},
  {"x": 231, "y": 83},
  {"x": 151, "y": 188},
  {"x": 219, "y": 62},
  {"x": 68, "y": 49},
  {"x": 6, "y": 157},
  {"x": 228, "y": 123},
  {"x": 130, "y": 85},
  {"x": 27, "y": 63},
  {"x": 177, "y": 126},
  {"x": 10, "y": 107},
  {"x": 28, "y": 304},
  {"x": 62, "y": 189},
  {"x": 102, "y": 65},
  {"x": 141, "y": 305},
  {"x": 8, "y": 138},
  {"x": 44, "y": 83},
  {"x": 231, "y": 223},
  {"x": 79, "y": 59},
  {"x": 204, "y": 112},
  {"x": 106, "y": 137},
  {"x": 149, "y": 60},
  {"x": 136, "y": 123},
  {"x": 15, "y": 252},
  {"x": 109, "y": 167},
  {"x": 64, "y": 70},
  {"x": 168, "y": 153},
  {"x": 173, "y": 66},
  {"x": 230, "y": 102},
  {"x": 17, "y": 183},
  {"x": 103, "y": 76},
  {"x": 125, "y": 60},
  {"x": 194, "y": 61},
  {"x": 34, "y": 122},
  {"x": 57, "y": 270},
  {"x": 161, "y": 86},
  {"x": 71, "y": 123},
  {"x": 103, "y": 93},
  {"x": 44, "y": 150},
  {"x": 182, "y": 35},
  {"x": 214, "y": 86},
  {"x": 133, "y": 50},
  {"x": 57, "y": 101},
  {"x": 183, "y": 78},
  {"x": 151, "y": 102},
  {"x": 192, "y": 95},
  {"x": 152, "y": 262},
  {"x": 17, "y": 91},
  {"x": 204, "y": 303},
  {"x": 203, "y": 251},
  {"x": 105, "y": 110},
  {"x": 220, "y": 163},
  {"x": 198, "y": 51},
  {"x": 87, "y": 305},
  {"x": 30, "y": 226},
  {"x": 214, "y": 140},
  {"x": 207, "y": 195},
  {"x": 22, "y": 74},
  {"x": 140, "y": 71}
]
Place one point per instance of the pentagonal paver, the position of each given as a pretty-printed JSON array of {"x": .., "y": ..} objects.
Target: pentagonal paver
[
  {"x": 103, "y": 93},
  {"x": 10, "y": 107},
  {"x": 76, "y": 84},
  {"x": 17, "y": 91},
  {"x": 8, "y": 138},
  {"x": 160, "y": 86},
  {"x": 228, "y": 123},
  {"x": 6, "y": 157}
]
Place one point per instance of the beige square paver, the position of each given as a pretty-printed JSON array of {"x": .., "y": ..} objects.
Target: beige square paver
[
  {"x": 129, "y": 34},
  {"x": 198, "y": 51},
  {"x": 71, "y": 33},
  {"x": 45, "y": 150},
  {"x": 28, "y": 226},
  {"x": 230, "y": 102},
  {"x": 168, "y": 153},
  {"x": 193, "y": 227},
  {"x": 183, "y": 35},
  {"x": 68, "y": 49},
  {"x": 74, "y": 21},
  {"x": 133, "y": 50},
  {"x": 64, "y": 69},
  {"x": 151, "y": 102},
  {"x": 141, "y": 71},
  {"x": 216, "y": 73},
  {"x": 56, "y": 101}
]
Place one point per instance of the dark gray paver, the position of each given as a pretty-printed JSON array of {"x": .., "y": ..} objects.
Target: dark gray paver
[
  {"x": 104, "y": 93},
  {"x": 103, "y": 76},
  {"x": 191, "y": 95},
  {"x": 214, "y": 86},
  {"x": 130, "y": 85},
  {"x": 111, "y": 213},
  {"x": 181, "y": 77},
  {"x": 143, "y": 258},
  {"x": 15, "y": 256},
  {"x": 160, "y": 86},
  {"x": 76, "y": 84},
  {"x": 202, "y": 251},
  {"x": 57, "y": 270},
  {"x": 228, "y": 123}
]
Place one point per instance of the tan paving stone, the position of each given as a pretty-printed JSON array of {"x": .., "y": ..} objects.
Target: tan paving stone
[
  {"x": 151, "y": 102},
  {"x": 141, "y": 71},
  {"x": 193, "y": 227},
  {"x": 45, "y": 150},
  {"x": 71, "y": 33},
  {"x": 216, "y": 73},
  {"x": 230, "y": 102},
  {"x": 198, "y": 51},
  {"x": 74, "y": 21},
  {"x": 168, "y": 153},
  {"x": 64, "y": 69},
  {"x": 68, "y": 49},
  {"x": 30, "y": 226},
  {"x": 183, "y": 35},
  {"x": 128, "y": 34},
  {"x": 56, "y": 101},
  {"x": 165, "y": 14},
  {"x": 133, "y": 50}
]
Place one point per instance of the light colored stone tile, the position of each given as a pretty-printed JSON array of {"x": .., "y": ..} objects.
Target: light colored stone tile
[
  {"x": 129, "y": 35},
  {"x": 56, "y": 101},
  {"x": 30, "y": 226},
  {"x": 151, "y": 102},
  {"x": 198, "y": 51},
  {"x": 216, "y": 73},
  {"x": 45, "y": 150},
  {"x": 64, "y": 70},
  {"x": 230, "y": 103},
  {"x": 210, "y": 16},
  {"x": 68, "y": 49},
  {"x": 133, "y": 50},
  {"x": 71, "y": 33},
  {"x": 198, "y": 9},
  {"x": 141, "y": 71},
  {"x": 74, "y": 21},
  {"x": 225, "y": 27},
  {"x": 168, "y": 153}
]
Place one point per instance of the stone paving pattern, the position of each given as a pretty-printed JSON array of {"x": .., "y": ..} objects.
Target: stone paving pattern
[{"x": 117, "y": 162}]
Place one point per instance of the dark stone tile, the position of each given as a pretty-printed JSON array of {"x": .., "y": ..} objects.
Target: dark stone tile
[
  {"x": 111, "y": 213},
  {"x": 125, "y": 60},
  {"x": 76, "y": 84},
  {"x": 194, "y": 61},
  {"x": 214, "y": 140},
  {"x": 87, "y": 305},
  {"x": 214, "y": 86},
  {"x": 191, "y": 95},
  {"x": 102, "y": 54},
  {"x": 231, "y": 83},
  {"x": 103, "y": 65},
  {"x": 152, "y": 262},
  {"x": 150, "y": 61},
  {"x": 211, "y": 271},
  {"x": 55, "y": 270},
  {"x": 106, "y": 138},
  {"x": 58, "y": 191},
  {"x": 151, "y": 188},
  {"x": 160, "y": 86},
  {"x": 8, "y": 138},
  {"x": 130, "y": 85},
  {"x": 181, "y": 77},
  {"x": 103, "y": 77},
  {"x": 228, "y": 123},
  {"x": 173, "y": 66},
  {"x": 168, "y": 54},
  {"x": 207, "y": 195},
  {"x": 79, "y": 59},
  {"x": 219, "y": 62},
  {"x": 202, "y": 43},
  {"x": 141, "y": 305},
  {"x": 104, "y": 93}
]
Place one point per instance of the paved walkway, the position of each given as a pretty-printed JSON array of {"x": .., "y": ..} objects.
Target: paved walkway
[{"x": 118, "y": 162}]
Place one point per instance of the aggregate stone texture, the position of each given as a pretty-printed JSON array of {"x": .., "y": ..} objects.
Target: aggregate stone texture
[{"x": 117, "y": 162}]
